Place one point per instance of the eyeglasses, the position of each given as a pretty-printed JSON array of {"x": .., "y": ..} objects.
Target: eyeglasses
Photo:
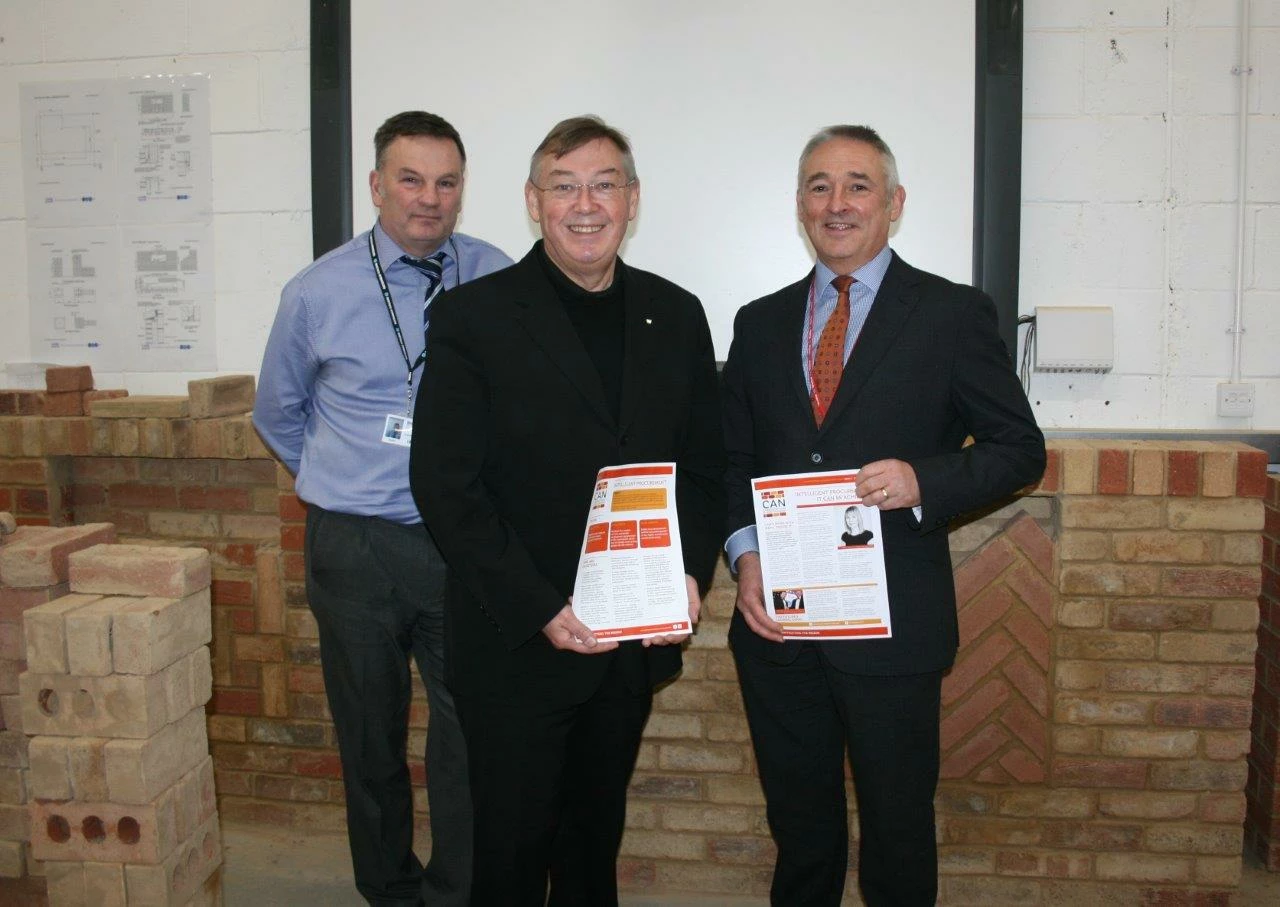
[{"x": 602, "y": 190}]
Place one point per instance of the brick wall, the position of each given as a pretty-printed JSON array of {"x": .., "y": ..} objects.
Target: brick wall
[
  {"x": 1262, "y": 826},
  {"x": 1094, "y": 728}
]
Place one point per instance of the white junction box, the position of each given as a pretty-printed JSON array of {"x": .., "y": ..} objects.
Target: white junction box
[
  {"x": 1235, "y": 401},
  {"x": 1074, "y": 338}
]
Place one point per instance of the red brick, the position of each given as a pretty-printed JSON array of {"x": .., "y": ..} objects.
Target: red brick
[
  {"x": 241, "y": 620},
  {"x": 1251, "y": 474},
  {"x": 1184, "y": 472},
  {"x": 1027, "y": 726},
  {"x": 306, "y": 680},
  {"x": 1026, "y": 533},
  {"x": 981, "y": 568},
  {"x": 85, "y": 495},
  {"x": 1052, "y": 477},
  {"x": 964, "y": 759},
  {"x": 259, "y": 648},
  {"x": 32, "y": 500},
  {"x": 24, "y": 472},
  {"x": 106, "y": 394},
  {"x": 982, "y": 612},
  {"x": 241, "y": 554},
  {"x": 975, "y": 710},
  {"x": 294, "y": 566},
  {"x": 232, "y": 499},
  {"x": 6, "y": 499},
  {"x": 1098, "y": 773},
  {"x": 140, "y": 570},
  {"x": 973, "y": 666},
  {"x": 28, "y": 403},
  {"x": 69, "y": 403},
  {"x": 148, "y": 496},
  {"x": 237, "y": 702},
  {"x": 1113, "y": 471},
  {"x": 292, "y": 537},
  {"x": 232, "y": 592},
  {"x": 1032, "y": 634},
  {"x": 317, "y": 765},
  {"x": 68, "y": 378},
  {"x": 1211, "y": 582},
  {"x": 15, "y": 602},
  {"x": 39, "y": 557},
  {"x": 1031, "y": 683},
  {"x": 291, "y": 509}
]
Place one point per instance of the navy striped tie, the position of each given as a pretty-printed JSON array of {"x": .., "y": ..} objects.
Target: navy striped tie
[{"x": 433, "y": 269}]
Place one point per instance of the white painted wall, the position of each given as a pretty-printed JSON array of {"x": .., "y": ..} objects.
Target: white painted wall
[
  {"x": 1128, "y": 200},
  {"x": 1128, "y": 184},
  {"x": 257, "y": 56}
]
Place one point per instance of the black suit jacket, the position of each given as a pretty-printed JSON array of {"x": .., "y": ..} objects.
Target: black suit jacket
[
  {"x": 928, "y": 369},
  {"x": 510, "y": 429}
]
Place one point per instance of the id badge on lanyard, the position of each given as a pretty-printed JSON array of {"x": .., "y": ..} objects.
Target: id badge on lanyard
[{"x": 397, "y": 429}]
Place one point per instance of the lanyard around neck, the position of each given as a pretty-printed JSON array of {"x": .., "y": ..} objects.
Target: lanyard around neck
[{"x": 411, "y": 365}]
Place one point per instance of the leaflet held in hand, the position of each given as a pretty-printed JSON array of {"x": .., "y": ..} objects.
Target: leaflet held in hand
[
  {"x": 630, "y": 582},
  {"x": 822, "y": 556}
]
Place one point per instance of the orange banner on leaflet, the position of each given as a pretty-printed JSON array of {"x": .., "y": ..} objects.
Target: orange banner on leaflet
[
  {"x": 639, "y": 499},
  {"x": 655, "y": 534},
  {"x": 622, "y": 535},
  {"x": 597, "y": 538},
  {"x": 679, "y": 626}
]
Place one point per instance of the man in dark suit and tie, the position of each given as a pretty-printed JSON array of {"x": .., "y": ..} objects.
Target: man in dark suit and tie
[
  {"x": 866, "y": 363},
  {"x": 537, "y": 377}
]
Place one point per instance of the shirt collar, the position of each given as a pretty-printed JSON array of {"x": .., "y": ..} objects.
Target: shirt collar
[
  {"x": 389, "y": 251},
  {"x": 870, "y": 275}
]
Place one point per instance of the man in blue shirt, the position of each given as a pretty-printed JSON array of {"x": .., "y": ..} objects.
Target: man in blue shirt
[{"x": 334, "y": 402}]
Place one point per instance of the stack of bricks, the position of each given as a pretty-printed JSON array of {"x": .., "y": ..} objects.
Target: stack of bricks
[
  {"x": 69, "y": 391},
  {"x": 121, "y": 781},
  {"x": 33, "y": 571}
]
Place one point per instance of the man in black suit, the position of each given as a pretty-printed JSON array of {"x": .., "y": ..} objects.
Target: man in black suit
[
  {"x": 536, "y": 378},
  {"x": 887, "y": 372}
]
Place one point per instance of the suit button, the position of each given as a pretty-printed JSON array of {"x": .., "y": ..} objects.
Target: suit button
[{"x": 815, "y": 457}]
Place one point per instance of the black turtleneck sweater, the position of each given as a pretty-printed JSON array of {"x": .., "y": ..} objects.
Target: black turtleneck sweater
[{"x": 598, "y": 319}]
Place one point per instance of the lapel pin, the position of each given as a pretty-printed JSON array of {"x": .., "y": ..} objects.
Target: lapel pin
[{"x": 648, "y": 321}]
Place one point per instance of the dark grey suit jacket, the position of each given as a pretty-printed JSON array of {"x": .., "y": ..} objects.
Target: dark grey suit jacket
[{"x": 928, "y": 370}]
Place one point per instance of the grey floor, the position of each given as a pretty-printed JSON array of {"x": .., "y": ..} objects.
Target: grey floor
[{"x": 271, "y": 867}]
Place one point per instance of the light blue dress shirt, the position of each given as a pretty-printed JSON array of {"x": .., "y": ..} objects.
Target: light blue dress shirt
[
  {"x": 862, "y": 294},
  {"x": 333, "y": 372}
]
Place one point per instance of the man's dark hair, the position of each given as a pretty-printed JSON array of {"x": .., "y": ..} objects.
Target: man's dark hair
[
  {"x": 571, "y": 134},
  {"x": 411, "y": 123}
]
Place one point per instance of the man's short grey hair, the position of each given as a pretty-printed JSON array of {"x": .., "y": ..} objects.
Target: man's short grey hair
[
  {"x": 571, "y": 134},
  {"x": 858, "y": 134}
]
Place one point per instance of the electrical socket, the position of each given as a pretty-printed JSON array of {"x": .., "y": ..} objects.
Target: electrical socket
[{"x": 1235, "y": 401}]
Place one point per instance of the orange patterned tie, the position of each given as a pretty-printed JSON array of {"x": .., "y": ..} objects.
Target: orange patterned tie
[{"x": 828, "y": 361}]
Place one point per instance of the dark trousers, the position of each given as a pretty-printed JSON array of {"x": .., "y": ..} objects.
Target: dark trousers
[
  {"x": 377, "y": 591},
  {"x": 802, "y": 717},
  {"x": 549, "y": 783}
]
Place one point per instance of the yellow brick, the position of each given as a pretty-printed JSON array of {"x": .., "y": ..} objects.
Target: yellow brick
[
  {"x": 1085, "y": 613},
  {"x": 1145, "y": 744},
  {"x": 1078, "y": 675},
  {"x": 1218, "y": 871},
  {"x": 1236, "y": 648},
  {"x": 1079, "y": 468},
  {"x": 1109, "y": 579},
  {"x": 1143, "y": 805},
  {"x": 1077, "y": 545},
  {"x": 1141, "y": 867},
  {"x": 1235, "y": 615},
  {"x": 1241, "y": 548},
  {"x": 1164, "y": 546},
  {"x": 1233, "y": 515},
  {"x": 1111, "y": 513},
  {"x": 1076, "y": 740},
  {"x": 1056, "y": 804}
]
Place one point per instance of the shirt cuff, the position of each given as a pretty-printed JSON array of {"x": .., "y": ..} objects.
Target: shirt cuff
[{"x": 744, "y": 540}]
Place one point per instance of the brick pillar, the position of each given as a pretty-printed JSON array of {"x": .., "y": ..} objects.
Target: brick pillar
[{"x": 1262, "y": 827}]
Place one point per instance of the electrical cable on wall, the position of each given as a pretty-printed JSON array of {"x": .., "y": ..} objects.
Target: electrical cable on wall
[{"x": 1024, "y": 364}]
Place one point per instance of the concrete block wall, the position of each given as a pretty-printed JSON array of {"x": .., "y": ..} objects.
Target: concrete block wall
[
  {"x": 258, "y": 59},
  {"x": 1128, "y": 200},
  {"x": 1262, "y": 826}
]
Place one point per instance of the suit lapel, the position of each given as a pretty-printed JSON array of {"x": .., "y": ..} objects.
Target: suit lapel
[
  {"x": 892, "y": 308},
  {"x": 543, "y": 317}
]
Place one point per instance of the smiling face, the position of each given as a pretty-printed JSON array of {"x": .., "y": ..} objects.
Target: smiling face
[
  {"x": 845, "y": 203},
  {"x": 853, "y": 520},
  {"x": 582, "y": 233},
  {"x": 417, "y": 190}
]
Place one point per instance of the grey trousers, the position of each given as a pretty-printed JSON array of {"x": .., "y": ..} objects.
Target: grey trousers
[{"x": 377, "y": 591}]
